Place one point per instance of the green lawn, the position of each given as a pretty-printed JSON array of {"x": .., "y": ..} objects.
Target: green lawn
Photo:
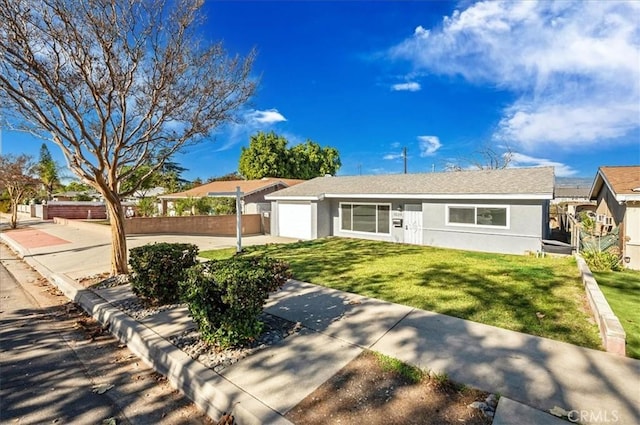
[
  {"x": 500, "y": 290},
  {"x": 622, "y": 290}
]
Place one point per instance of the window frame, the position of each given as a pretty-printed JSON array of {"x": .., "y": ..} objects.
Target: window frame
[
  {"x": 475, "y": 207},
  {"x": 359, "y": 232}
]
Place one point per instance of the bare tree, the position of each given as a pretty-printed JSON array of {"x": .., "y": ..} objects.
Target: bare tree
[
  {"x": 484, "y": 158},
  {"x": 115, "y": 83},
  {"x": 17, "y": 177}
]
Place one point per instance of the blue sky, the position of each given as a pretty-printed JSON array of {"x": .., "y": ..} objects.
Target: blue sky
[{"x": 559, "y": 83}]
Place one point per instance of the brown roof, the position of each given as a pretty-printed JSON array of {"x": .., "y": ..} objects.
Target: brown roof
[
  {"x": 511, "y": 182},
  {"x": 622, "y": 181},
  {"x": 247, "y": 187}
]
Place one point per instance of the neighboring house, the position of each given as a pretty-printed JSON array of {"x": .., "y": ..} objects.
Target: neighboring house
[
  {"x": 617, "y": 193},
  {"x": 568, "y": 203},
  {"x": 503, "y": 211},
  {"x": 74, "y": 195},
  {"x": 254, "y": 191}
]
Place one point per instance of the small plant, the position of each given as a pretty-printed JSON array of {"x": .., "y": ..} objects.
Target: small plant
[
  {"x": 390, "y": 364},
  {"x": 601, "y": 261},
  {"x": 158, "y": 268},
  {"x": 147, "y": 207},
  {"x": 226, "y": 297}
]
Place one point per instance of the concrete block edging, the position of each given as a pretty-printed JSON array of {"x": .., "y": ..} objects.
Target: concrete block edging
[
  {"x": 213, "y": 393},
  {"x": 612, "y": 333}
]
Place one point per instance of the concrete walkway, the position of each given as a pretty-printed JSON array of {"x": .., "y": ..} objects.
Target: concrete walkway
[{"x": 532, "y": 374}]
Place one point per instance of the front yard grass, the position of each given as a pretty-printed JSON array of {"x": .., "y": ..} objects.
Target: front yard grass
[
  {"x": 538, "y": 296},
  {"x": 622, "y": 291}
]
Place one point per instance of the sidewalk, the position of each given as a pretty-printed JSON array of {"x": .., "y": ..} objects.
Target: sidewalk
[{"x": 529, "y": 372}]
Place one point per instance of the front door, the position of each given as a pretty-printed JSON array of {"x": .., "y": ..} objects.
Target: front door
[{"x": 412, "y": 223}]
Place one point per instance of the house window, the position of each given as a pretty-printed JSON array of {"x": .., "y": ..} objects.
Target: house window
[
  {"x": 368, "y": 218},
  {"x": 472, "y": 215}
]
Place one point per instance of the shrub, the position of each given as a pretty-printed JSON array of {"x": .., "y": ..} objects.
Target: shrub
[
  {"x": 226, "y": 297},
  {"x": 601, "y": 261},
  {"x": 158, "y": 268},
  {"x": 147, "y": 207}
]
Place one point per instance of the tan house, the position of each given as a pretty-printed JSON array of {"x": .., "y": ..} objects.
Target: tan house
[
  {"x": 254, "y": 191},
  {"x": 617, "y": 193}
]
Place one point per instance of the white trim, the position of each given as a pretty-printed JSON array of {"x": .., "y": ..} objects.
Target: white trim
[
  {"x": 357, "y": 232},
  {"x": 293, "y": 198},
  {"x": 475, "y": 207},
  {"x": 627, "y": 198},
  {"x": 442, "y": 196},
  {"x": 419, "y": 196}
]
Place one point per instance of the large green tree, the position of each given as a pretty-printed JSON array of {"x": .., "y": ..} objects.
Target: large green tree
[
  {"x": 48, "y": 171},
  {"x": 117, "y": 85},
  {"x": 266, "y": 156},
  {"x": 269, "y": 156},
  {"x": 308, "y": 160}
]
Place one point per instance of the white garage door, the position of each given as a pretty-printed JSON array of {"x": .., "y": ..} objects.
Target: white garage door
[{"x": 294, "y": 220}]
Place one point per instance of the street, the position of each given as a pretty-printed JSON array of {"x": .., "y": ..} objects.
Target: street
[{"x": 57, "y": 365}]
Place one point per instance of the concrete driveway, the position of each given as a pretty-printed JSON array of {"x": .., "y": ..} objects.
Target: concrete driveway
[{"x": 78, "y": 250}]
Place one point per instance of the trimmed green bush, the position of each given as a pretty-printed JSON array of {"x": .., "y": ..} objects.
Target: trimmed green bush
[
  {"x": 226, "y": 297},
  {"x": 158, "y": 268}
]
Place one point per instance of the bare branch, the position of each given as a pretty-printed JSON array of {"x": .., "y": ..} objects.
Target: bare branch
[{"x": 116, "y": 82}]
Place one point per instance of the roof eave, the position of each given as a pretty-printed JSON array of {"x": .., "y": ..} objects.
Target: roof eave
[
  {"x": 465, "y": 196},
  {"x": 294, "y": 198}
]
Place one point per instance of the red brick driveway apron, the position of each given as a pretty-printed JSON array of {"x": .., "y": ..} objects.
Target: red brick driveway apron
[{"x": 32, "y": 238}]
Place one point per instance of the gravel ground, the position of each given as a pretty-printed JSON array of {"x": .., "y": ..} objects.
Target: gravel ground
[{"x": 275, "y": 328}]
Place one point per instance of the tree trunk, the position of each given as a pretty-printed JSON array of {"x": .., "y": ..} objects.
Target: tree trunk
[
  {"x": 14, "y": 214},
  {"x": 118, "y": 237}
]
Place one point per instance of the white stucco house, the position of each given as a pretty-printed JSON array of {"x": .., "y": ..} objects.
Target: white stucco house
[{"x": 503, "y": 211}]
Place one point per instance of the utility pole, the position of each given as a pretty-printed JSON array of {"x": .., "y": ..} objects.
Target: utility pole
[{"x": 404, "y": 156}]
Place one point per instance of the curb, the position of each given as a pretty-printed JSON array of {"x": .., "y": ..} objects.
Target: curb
[
  {"x": 612, "y": 333},
  {"x": 210, "y": 391}
]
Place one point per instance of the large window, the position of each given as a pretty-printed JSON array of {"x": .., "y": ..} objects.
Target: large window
[
  {"x": 370, "y": 218},
  {"x": 472, "y": 215}
]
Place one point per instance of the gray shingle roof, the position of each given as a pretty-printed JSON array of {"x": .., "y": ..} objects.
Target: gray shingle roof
[{"x": 510, "y": 181}]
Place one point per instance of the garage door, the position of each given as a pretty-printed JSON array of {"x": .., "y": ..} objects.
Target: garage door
[{"x": 294, "y": 220}]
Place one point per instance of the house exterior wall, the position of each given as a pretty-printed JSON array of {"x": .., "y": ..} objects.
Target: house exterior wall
[
  {"x": 608, "y": 205},
  {"x": 527, "y": 226},
  {"x": 632, "y": 241},
  {"x": 323, "y": 218}
]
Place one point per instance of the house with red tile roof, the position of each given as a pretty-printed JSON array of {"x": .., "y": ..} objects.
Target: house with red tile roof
[{"x": 253, "y": 192}]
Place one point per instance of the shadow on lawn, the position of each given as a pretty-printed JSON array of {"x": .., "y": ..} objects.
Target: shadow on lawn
[{"x": 534, "y": 297}]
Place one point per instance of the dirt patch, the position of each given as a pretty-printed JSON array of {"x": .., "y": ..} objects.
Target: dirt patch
[{"x": 367, "y": 392}]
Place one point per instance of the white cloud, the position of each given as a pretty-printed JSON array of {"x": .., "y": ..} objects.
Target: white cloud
[
  {"x": 252, "y": 121},
  {"x": 411, "y": 86},
  {"x": 428, "y": 145},
  {"x": 521, "y": 160},
  {"x": 391, "y": 156},
  {"x": 269, "y": 116},
  {"x": 574, "y": 66}
]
